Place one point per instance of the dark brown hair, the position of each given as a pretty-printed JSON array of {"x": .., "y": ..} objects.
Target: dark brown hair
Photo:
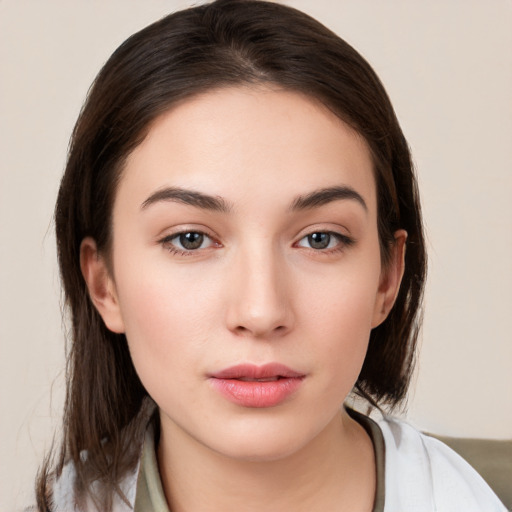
[{"x": 227, "y": 42}]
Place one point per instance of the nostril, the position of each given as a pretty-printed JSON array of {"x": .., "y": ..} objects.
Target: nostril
[{"x": 242, "y": 330}]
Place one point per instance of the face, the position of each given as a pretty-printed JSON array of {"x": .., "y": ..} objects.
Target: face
[{"x": 246, "y": 269}]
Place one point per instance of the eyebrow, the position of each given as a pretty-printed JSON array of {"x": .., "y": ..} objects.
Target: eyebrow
[
  {"x": 189, "y": 197},
  {"x": 204, "y": 201},
  {"x": 324, "y": 196}
]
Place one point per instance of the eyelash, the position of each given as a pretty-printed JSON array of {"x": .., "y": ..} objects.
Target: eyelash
[
  {"x": 344, "y": 242},
  {"x": 168, "y": 244}
]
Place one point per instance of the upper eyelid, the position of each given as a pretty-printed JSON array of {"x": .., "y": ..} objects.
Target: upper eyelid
[
  {"x": 183, "y": 232},
  {"x": 339, "y": 230},
  {"x": 170, "y": 233},
  {"x": 341, "y": 236}
]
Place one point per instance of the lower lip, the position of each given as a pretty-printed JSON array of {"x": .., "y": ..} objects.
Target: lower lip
[{"x": 257, "y": 394}]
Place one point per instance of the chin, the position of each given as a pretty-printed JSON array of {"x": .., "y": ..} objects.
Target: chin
[
  {"x": 261, "y": 443},
  {"x": 264, "y": 451}
]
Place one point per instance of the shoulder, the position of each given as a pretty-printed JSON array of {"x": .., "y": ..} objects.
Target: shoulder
[
  {"x": 423, "y": 475},
  {"x": 63, "y": 493}
]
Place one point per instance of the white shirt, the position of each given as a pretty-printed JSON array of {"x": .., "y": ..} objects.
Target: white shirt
[{"x": 424, "y": 475}]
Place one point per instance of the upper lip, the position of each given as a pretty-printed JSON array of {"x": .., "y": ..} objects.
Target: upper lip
[{"x": 252, "y": 371}]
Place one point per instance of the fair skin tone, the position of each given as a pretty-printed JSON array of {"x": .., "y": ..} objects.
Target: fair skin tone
[{"x": 280, "y": 263}]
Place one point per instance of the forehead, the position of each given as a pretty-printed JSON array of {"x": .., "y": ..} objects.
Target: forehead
[{"x": 244, "y": 141}]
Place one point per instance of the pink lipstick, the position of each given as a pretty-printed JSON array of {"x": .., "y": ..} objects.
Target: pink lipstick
[{"x": 249, "y": 385}]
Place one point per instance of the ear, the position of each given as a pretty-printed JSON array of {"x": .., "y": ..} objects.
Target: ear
[
  {"x": 100, "y": 284},
  {"x": 390, "y": 279}
]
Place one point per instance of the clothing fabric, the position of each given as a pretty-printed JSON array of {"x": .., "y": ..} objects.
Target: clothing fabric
[
  {"x": 425, "y": 475},
  {"x": 415, "y": 473}
]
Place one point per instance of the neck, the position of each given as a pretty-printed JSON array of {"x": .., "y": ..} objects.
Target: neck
[{"x": 334, "y": 471}]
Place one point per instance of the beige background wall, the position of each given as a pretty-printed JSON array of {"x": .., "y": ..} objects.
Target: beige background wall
[{"x": 448, "y": 69}]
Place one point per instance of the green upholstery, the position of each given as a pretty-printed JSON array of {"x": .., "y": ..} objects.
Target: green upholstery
[{"x": 491, "y": 458}]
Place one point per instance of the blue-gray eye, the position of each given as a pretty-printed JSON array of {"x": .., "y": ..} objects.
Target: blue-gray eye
[
  {"x": 187, "y": 242},
  {"x": 191, "y": 240},
  {"x": 321, "y": 240}
]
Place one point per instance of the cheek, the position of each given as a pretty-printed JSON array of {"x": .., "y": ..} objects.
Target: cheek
[
  {"x": 168, "y": 317},
  {"x": 339, "y": 316},
  {"x": 343, "y": 299}
]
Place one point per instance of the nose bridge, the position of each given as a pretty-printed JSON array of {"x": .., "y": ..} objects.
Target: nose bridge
[{"x": 259, "y": 304}]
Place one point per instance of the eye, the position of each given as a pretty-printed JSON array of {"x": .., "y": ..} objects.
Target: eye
[
  {"x": 187, "y": 241},
  {"x": 322, "y": 240}
]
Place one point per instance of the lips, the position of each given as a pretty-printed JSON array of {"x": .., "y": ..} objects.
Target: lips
[{"x": 257, "y": 386}]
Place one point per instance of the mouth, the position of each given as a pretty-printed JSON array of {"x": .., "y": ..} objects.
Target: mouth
[
  {"x": 268, "y": 379},
  {"x": 251, "y": 372},
  {"x": 254, "y": 386}
]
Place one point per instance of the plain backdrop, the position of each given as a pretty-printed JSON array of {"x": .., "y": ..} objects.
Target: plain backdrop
[{"x": 447, "y": 66}]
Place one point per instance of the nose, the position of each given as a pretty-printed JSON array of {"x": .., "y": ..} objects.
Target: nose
[{"x": 260, "y": 301}]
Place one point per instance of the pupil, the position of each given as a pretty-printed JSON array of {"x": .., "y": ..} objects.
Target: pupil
[
  {"x": 319, "y": 240},
  {"x": 191, "y": 240}
]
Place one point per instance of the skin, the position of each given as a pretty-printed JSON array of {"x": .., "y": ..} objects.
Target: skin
[{"x": 255, "y": 291}]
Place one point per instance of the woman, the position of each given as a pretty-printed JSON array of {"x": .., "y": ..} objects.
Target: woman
[{"x": 240, "y": 242}]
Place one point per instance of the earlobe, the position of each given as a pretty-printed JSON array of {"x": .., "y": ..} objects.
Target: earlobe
[
  {"x": 100, "y": 285},
  {"x": 390, "y": 280}
]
